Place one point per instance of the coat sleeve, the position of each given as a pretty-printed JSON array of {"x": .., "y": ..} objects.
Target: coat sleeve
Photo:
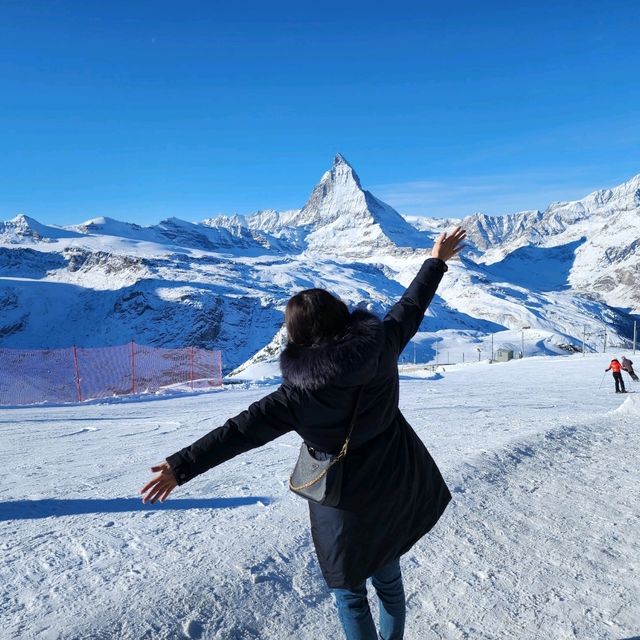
[
  {"x": 404, "y": 318},
  {"x": 263, "y": 421}
]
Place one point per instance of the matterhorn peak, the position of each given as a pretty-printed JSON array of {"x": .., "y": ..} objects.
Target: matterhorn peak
[
  {"x": 342, "y": 173},
  {"x": 340, "y": 159},
  {"x": 341, "y": 215},
  {"x": 338, "y": 193}
]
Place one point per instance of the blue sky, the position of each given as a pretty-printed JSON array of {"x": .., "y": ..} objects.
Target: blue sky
[{"x": 143, "y": 110}]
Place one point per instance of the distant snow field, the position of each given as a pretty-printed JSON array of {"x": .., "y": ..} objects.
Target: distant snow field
[{"x": 541, "y": 540}]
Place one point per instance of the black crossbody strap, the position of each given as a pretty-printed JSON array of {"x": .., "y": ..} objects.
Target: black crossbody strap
[
  {"x": 354, "y": 417},
  {"x": 332, "y": 461}
]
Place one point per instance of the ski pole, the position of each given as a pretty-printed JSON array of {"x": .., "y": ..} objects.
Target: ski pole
[{"x": 601, "y": 381}]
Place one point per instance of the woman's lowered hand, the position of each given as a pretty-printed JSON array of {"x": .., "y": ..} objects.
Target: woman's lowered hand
[
  {"x": 448, "y": 246},
  {"x": 160, "y": 486}
]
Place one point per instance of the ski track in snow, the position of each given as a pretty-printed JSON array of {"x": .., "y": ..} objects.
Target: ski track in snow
[{"x": 540, "y": 541}]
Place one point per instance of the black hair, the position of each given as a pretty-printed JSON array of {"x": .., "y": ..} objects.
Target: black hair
[{"x": 314, "y": 316}]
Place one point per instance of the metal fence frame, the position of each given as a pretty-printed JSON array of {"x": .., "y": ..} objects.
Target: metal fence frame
[{"x": 74, "y": 374}]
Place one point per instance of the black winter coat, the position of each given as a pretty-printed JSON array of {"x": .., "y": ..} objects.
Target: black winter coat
[{"x": 392, "y": 492}]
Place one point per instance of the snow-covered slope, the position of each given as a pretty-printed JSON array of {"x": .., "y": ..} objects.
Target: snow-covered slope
[
  {"x": 223, "y": 283},
  {"x": 176, "y": 233},
  {"x": 539, "y": 542},
  {"x": 603, "y": 228},
  {"x": 25, "y": 230}
]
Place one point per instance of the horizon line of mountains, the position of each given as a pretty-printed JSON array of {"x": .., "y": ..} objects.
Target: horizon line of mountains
[{"x": 222, "y": 283}]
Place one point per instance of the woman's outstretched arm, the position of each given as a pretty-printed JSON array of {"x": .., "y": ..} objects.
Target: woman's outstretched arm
[
  {"x": 404, "y": 318},
  {"x": 263, "y": 421}
]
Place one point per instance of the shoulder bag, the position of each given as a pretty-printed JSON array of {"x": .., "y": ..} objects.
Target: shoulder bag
[{"x": 320, "y": 479}]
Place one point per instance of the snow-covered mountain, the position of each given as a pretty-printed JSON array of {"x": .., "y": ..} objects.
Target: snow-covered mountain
[
  {"x": 562, "y": 274},
  {"x": 340, "y": 218},
  {"x": 25, "y": 230},
  {"x": 603, "y": 229}
]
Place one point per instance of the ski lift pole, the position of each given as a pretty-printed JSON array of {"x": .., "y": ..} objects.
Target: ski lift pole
[{"x": 523, "y": 328}]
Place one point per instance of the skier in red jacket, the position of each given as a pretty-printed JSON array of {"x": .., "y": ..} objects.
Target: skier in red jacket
[{"x": 616, "y": 368}]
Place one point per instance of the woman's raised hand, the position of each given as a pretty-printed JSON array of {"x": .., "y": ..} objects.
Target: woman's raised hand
[
  {"x": 160, "y": 486},
  {"x": 448, "y": 246}
]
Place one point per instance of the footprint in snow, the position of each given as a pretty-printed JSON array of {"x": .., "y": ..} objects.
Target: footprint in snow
[
  {"x": 193, "y": 629},
  {"x": 77, "y": 433}
]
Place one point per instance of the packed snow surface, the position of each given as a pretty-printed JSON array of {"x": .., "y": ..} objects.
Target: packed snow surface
[{"x": 540, "y": 541}]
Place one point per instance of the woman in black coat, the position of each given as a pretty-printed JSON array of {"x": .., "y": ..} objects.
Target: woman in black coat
[{"x": 392, "y": 491}]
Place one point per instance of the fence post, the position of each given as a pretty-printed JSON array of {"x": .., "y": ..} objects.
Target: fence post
[
  {"x": 133, "y": 369},
  {"x": 218, "y": 360},
  {"x": 77, "y": 371},
  {"x": 191, "y": 368}
]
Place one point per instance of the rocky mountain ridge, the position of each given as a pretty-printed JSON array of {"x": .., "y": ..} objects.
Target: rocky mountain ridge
[{"x": 563, "y": 273}]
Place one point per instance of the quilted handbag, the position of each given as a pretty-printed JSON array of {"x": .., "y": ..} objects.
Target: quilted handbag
[{"x": 317, "y": 476}]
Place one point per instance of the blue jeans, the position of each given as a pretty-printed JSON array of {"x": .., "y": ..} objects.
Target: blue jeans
[{"x": 354, "y": 612}]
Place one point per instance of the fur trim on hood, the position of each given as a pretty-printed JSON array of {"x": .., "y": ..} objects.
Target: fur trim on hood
[{"x": 349, "y": 360}]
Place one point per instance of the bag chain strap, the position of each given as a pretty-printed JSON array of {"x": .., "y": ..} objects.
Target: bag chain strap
[{"x": 342, "y": 454}]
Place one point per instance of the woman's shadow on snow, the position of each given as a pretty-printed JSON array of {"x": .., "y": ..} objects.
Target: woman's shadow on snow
[{"x": 51, "y": 507}]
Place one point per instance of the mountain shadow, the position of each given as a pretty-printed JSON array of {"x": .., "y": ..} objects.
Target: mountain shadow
[{"x": 537, "y": 268}]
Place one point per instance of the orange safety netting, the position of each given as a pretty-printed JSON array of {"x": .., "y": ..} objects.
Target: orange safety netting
[{"x": 75, "y": 374}]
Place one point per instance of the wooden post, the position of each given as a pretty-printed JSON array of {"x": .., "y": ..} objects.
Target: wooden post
[{"x": 77, "y": 370}]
